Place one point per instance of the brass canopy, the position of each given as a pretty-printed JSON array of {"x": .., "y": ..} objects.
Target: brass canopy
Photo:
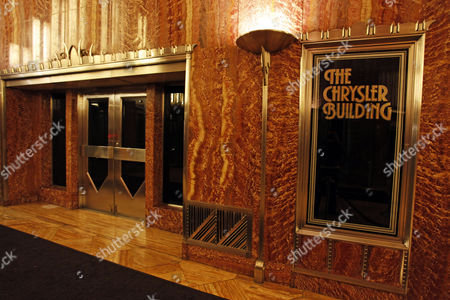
[{"x": 272, "y": 40}]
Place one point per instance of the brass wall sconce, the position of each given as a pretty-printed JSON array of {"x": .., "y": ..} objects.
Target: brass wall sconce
[{"x": 264, "y": 42}]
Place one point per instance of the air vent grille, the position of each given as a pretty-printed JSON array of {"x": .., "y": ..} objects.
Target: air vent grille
[{"x": 223, "y": 228}]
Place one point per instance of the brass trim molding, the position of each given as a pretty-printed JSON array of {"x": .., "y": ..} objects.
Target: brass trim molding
[
  {"x": 365, "y": 261},
  {"x": 259, "y": 264},
  {"x": 364, "y": 31},
  {"x": 404, "y": 270},
  {"x": 110, "y": 70},
  {"x": 187, "y": 97},
  {"x": 3, "y": 185},
  {"x": 351, "y": 280},
  {"x": 76, "y": 63},
  {"x": 81, "y": 112},
  {"x": 357, "y": 237},
  {"x": 330, "y": 252}
]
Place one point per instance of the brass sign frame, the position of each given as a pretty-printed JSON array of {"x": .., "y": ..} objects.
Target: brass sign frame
[
  {"x": 368, "y": 38},
  {"x": 414, "y": 45}
]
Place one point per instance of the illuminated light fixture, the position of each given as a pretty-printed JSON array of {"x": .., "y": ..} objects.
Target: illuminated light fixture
[
  {"x": 265, "y": 40},
  {"x": 265, "y": 29}
]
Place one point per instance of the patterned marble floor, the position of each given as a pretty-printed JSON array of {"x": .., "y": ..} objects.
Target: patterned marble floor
[{"x": 154, "y": 251}]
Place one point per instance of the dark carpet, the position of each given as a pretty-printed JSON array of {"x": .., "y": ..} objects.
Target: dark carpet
[{"x": 39, "y": 269}]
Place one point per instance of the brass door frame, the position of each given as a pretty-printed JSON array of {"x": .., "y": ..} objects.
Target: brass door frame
[{"x": 113, "y": 152}]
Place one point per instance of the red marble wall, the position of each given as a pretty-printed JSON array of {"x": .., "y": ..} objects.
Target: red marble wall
[
  {"x": 29, "y": 118},
  {"x": 429, "y": 264},
  {"x": 63, "y": 196},
  {"x": 225, "y": 120},
  {"x": 24, "y": 126},
  {"x": 428, "y": 258}
]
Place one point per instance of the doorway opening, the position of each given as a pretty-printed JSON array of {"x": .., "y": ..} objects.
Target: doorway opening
[{"x": 113, "y": 153}]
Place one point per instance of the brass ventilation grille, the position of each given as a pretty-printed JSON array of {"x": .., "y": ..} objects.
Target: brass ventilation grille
[{"x": 222, "y": 228}]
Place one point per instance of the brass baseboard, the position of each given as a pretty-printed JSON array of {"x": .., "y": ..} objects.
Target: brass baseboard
[{"x": 352, "y": 281}]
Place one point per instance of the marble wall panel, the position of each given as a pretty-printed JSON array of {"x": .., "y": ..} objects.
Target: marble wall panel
[{"x": 23, "y": 122}]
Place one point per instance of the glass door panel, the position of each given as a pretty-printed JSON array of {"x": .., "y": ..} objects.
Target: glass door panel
[
  {"x": 173, "y": 146},
  {"x": 98, "y": 182},
  {"x": 98, "y": 121},
  {"x": 133, "y": 122},
  {"x": 130, "y": 155},
  {"x": 114, "y": 153}
]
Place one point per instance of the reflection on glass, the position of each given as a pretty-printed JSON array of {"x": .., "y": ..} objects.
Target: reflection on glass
[
  {"x": 352, "y": 152},
  {"x": 133, "y": 122},
  {"x": 98, "y": 122},
  {"x": 133, "y": 174},
  {"x": 173, "y": 147},
  {"x": 98, "y": 170},
  {"x": 59, "y": 141}
]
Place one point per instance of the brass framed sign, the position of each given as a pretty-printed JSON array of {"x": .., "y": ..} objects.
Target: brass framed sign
[
  {"x": 359, "y": 111},
  {"x": 357, "y": 124}
]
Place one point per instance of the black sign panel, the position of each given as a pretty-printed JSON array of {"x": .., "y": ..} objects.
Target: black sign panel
[{"x": 357, "y": 119}]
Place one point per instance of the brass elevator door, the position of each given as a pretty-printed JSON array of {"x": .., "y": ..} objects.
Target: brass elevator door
[{"x": 113, "y": 153}]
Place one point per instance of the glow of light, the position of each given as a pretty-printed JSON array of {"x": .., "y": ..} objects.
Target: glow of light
[
  {"x": 36, "y": 48},
  {"x": 269, "y": 15},
  {"x": 14, "y": 54},
  {"x": 46, "y": 41},
  {"x": 265, "y": 18}
]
